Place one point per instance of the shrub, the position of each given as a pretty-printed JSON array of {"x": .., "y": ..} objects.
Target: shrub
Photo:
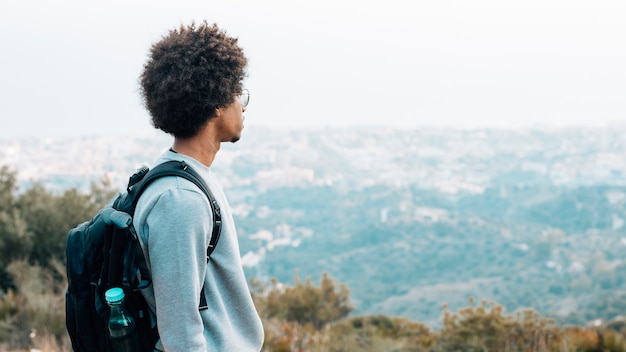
[
  {"x": 36, "y": 312},
  {"x": 485, "y": 327},
  {"x": 305, "y": 303}
]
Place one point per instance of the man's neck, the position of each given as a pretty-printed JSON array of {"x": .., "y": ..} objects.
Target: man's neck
[{"x": 201, "y": 149}]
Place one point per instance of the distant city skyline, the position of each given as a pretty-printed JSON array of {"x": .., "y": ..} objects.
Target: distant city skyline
[{"x": 71, "y": 68}]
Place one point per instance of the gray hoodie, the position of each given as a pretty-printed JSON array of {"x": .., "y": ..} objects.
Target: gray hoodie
[{"x": 174, "y": 222}]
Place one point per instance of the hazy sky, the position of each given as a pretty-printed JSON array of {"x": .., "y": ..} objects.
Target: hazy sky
[{"x": 70, "y": 67}]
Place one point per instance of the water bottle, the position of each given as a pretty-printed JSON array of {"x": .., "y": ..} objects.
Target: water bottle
[{"x": 122, "y": 327}]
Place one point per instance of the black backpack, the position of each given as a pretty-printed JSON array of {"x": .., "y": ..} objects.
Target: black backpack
[{"x": 105, "y": 252}]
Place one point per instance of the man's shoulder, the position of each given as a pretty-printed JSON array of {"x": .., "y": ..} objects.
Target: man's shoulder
[
  {"x": 171, "y": 194},
  {"x": 178, "y": 188},
  {"x": 174, "y": 185}
]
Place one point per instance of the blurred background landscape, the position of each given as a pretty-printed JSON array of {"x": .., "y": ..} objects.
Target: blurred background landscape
[
  {"x": 405, "y": 224},
  {"x": 408, "y": 219}
]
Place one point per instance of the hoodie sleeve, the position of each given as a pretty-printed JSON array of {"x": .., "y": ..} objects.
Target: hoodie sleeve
[{"x": 180, "y": 229}]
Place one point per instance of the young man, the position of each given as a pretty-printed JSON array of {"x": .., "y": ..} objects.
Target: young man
[{"x": 192, "y": 87}]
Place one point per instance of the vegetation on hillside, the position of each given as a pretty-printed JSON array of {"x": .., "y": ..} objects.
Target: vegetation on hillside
[
  {"x": 405, "y": 250},
  {"x": 302, "y": 316}
]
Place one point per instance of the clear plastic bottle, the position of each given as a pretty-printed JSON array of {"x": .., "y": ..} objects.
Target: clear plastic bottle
[{"x": 122, "y": 327}]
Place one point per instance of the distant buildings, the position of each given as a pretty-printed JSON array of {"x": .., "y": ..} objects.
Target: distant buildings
[{"x": 447, "y": 160}]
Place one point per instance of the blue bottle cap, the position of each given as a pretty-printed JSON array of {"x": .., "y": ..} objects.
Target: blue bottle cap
[{"x": 114, "y": 294}]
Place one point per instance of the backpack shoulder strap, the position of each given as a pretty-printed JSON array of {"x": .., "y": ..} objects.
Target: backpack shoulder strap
[
  {"x": 144, "y": 177},
  {"x": 181, "y": 169}
]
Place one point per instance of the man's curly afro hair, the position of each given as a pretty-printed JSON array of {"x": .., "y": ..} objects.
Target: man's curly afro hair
[{"x": 190, "y": 73}]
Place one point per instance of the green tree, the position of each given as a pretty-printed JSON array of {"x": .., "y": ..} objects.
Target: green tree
[
  {"x": 8, "y": 187},
  {"x": 34, "y": 224},
  {"x": 15, "y": 242},
  {"x": 49, "y": 217}
]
